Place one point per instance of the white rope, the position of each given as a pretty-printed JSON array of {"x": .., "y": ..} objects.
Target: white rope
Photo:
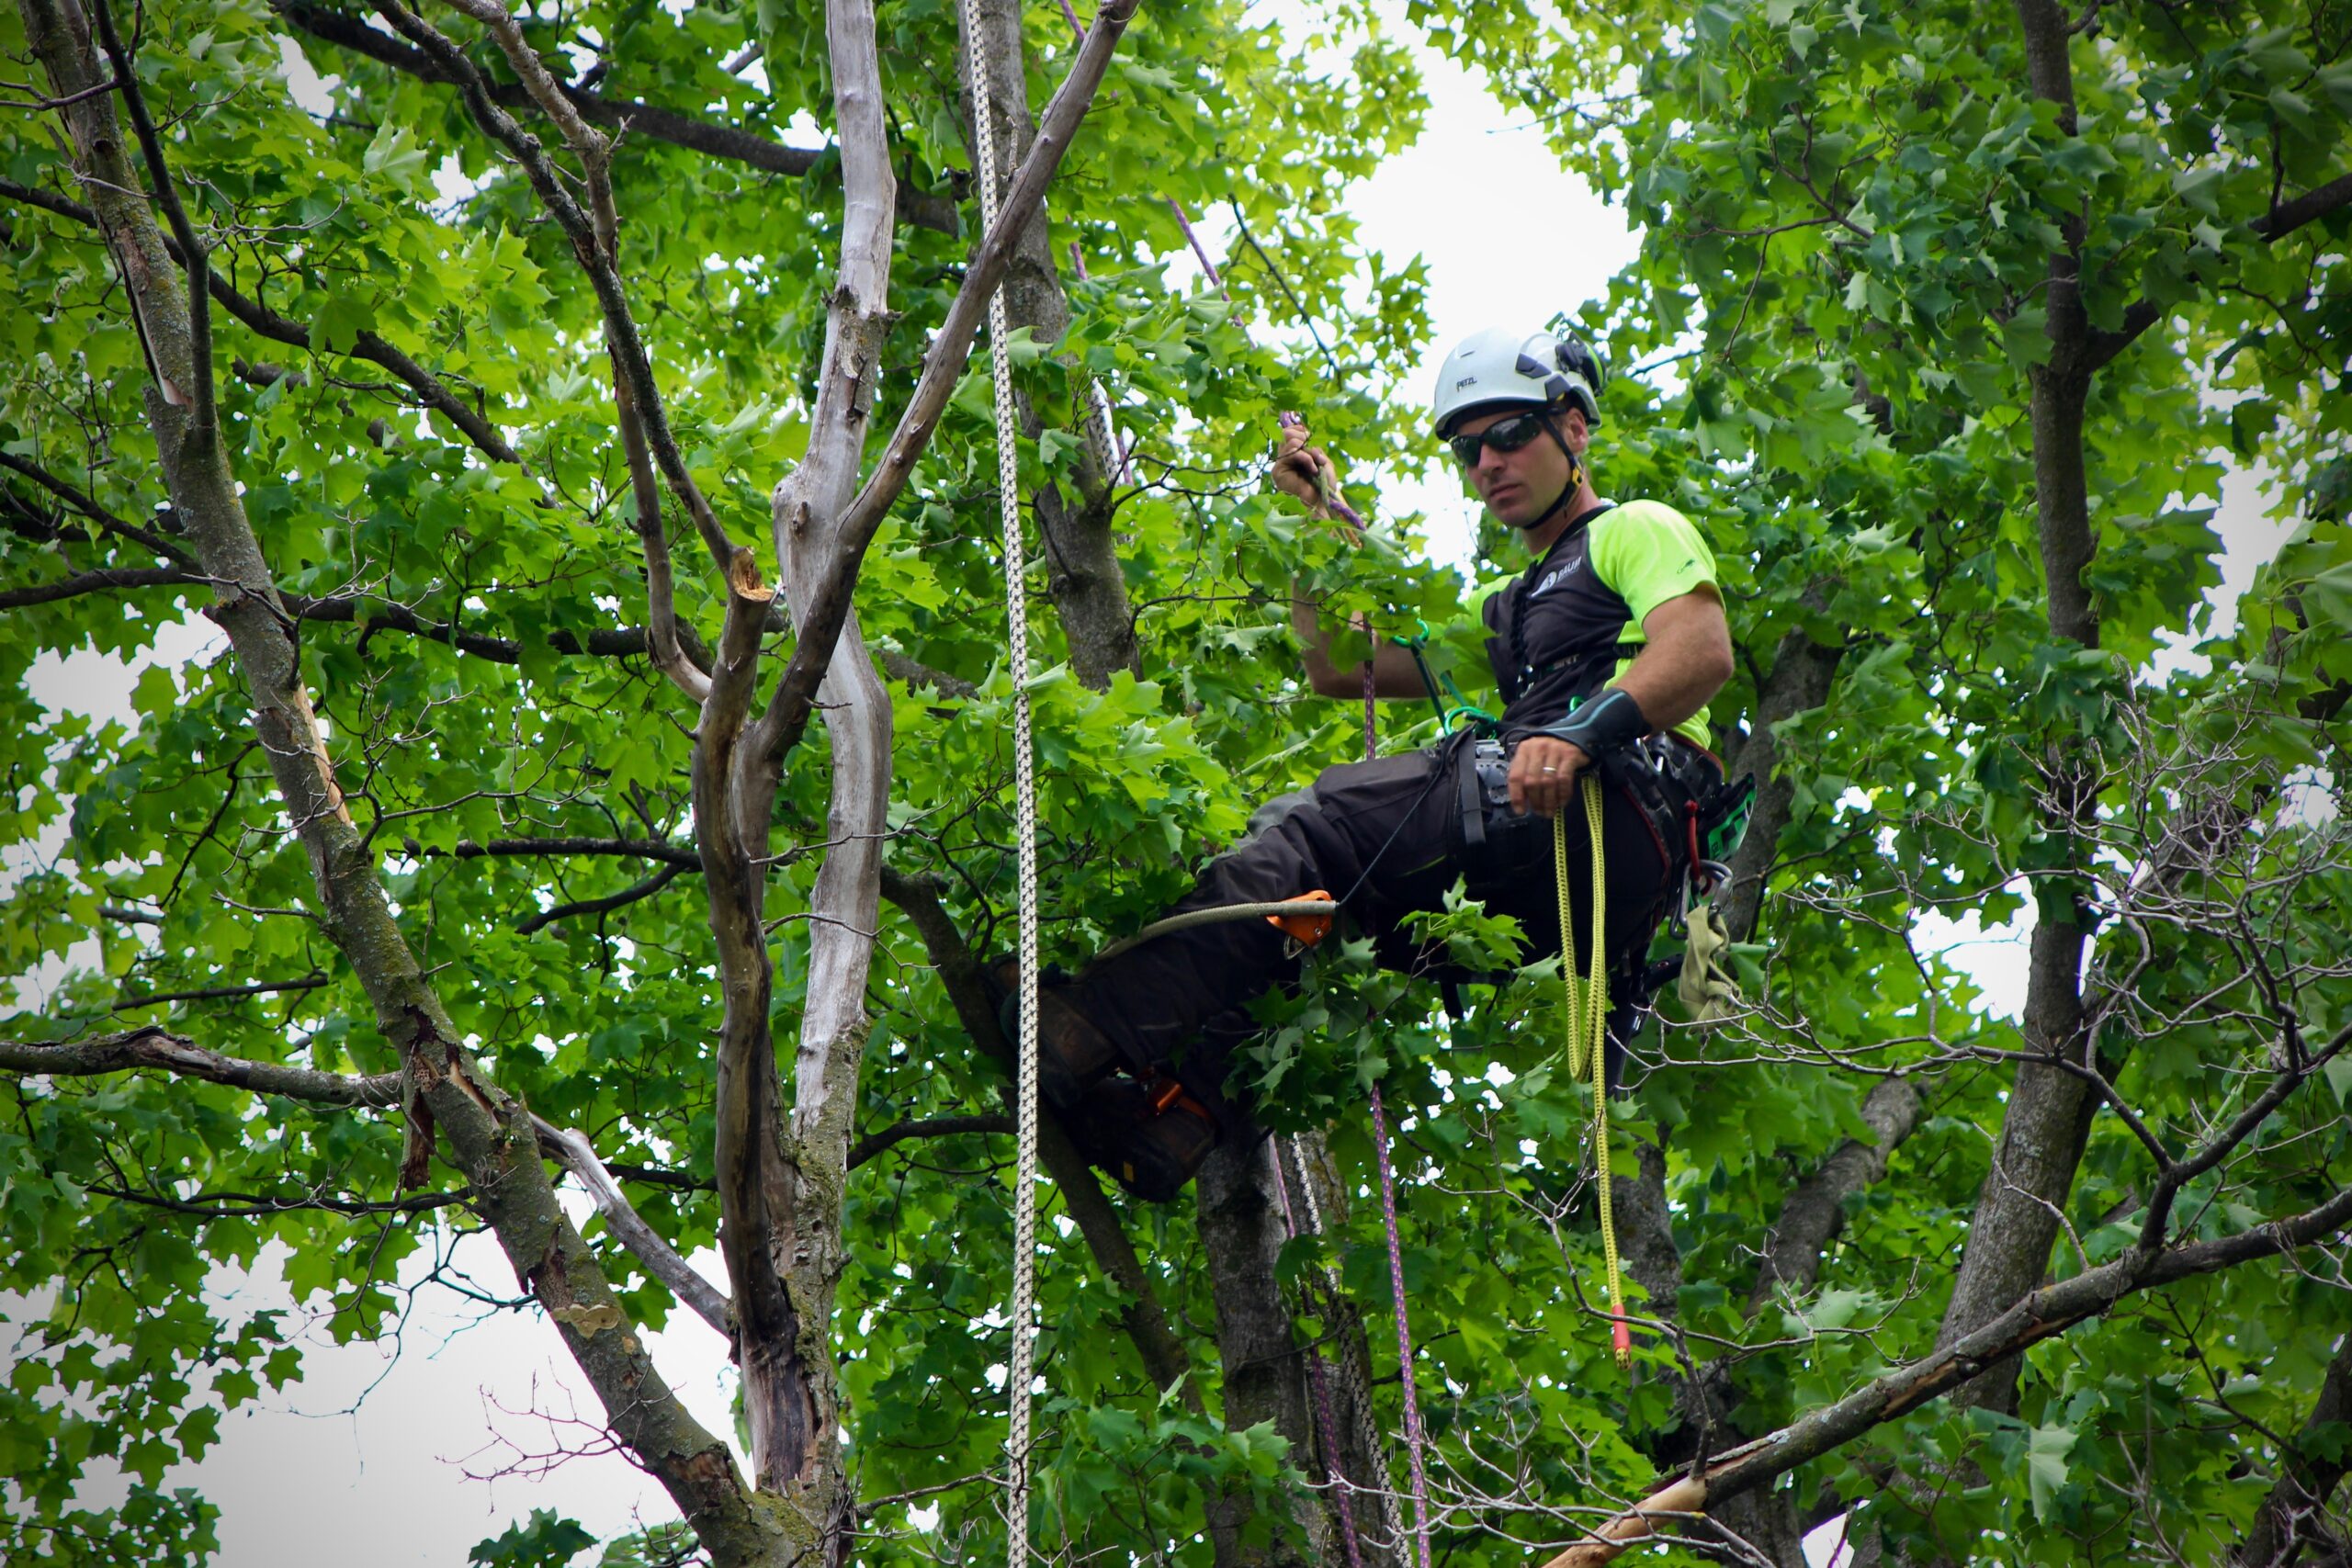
[{"x": 1019, "y": 1365}]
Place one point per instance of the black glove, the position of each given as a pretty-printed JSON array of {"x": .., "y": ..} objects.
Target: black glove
[{"x": 1607, "y": 724}]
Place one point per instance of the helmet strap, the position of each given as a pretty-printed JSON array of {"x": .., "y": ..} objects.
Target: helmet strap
[{"x": 1576, "y": 478}]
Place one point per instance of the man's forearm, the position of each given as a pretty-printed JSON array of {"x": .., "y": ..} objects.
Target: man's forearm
[{"x": 1394, "y": 673}]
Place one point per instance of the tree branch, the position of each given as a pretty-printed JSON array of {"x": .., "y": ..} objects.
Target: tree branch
[
  {"x": 2273, "y": 226},
  {"x": 2294, "y": 1514},
  {"x": 890, "y": 1137},
  {"x": 257, "y": 1205},
  {"x": 913, "y": 674},
  {"x": 153, "y": 1048},
  {"x": 87, "y": 505},
  {"x": 601, "y": 642},
  {"x": 602, "y": 254},
  {"x": 680, "y": 855},
  {"x": 2181, "y": 1173},
  {"x": 265, "y": 322},
  {"x": 1815, "y": 1212},
  {"x": 632, "y": 893},
  {"x": 633, "y": 116},
  {"x": 2309, "y": 207},
  {"x": 2040, "y": 1314},
  {"x": 221, "y": 993},
  {"x": 823, "y": 611},
  {"x": 204, "y": 419},
  {"x": 623, "y": 341},
  {"x": 1143, "y": 1317},
  {"x": 490, "y": 1138},
  {"x": 105, "y": 579},
  {"x": 577, "y": 1156}
]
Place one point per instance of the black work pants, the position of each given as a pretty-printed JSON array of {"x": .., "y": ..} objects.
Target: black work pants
[{"x": 1386, "y": 838}]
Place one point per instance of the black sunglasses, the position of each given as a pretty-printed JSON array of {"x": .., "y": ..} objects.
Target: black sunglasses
[{"x": 1504, "y": 435}]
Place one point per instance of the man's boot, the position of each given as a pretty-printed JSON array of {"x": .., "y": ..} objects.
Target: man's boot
[
  {"x": 1072, "y": 1054},
  {"x": 1151, "y": 1136},
  {"x": 1149, "y": 1130}
]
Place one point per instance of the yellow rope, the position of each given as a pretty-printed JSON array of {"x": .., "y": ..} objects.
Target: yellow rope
[{"x": 1588, "y": 1028}]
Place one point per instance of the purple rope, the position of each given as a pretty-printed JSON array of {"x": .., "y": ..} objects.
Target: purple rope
[
  {"x": 1184, "y": 221},
  {"x": 1342, "y": 1489},
  {"x": 1403, "y": 1327}
]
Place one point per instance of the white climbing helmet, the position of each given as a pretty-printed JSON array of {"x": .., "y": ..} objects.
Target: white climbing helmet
[{"x": 1531, "y": 369}]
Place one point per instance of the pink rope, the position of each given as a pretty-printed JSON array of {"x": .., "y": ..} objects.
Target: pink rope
[
  {"x": 1403, "y": 1327},
  {"x": 1388, "y": 1218}
]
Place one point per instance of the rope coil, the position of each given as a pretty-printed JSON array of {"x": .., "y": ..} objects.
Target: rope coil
[{"x": 1019, "y": 1363}]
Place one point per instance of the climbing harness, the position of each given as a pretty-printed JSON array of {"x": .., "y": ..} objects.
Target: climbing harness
[{"x": 1019, "y": 1363}]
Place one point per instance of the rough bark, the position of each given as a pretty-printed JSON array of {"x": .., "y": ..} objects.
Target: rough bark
[
  {"x": 2295, "y": 1517},
  {"x": 1083, "y": 573},
  {"x": 780, "y": 1181},
  {"x": 828, "y": 604},
  {"x": 489, "y": 1137}
]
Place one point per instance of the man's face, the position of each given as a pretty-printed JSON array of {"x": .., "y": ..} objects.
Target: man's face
[{"x": 1518, "y": 487}]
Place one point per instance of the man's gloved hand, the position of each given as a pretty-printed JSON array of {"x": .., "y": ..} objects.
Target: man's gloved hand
[
  {"x": 1543, "y": 773},
  {"x": 1304, "y": 472}
]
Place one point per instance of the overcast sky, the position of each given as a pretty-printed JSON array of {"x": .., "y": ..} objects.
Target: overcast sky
[{"x": 378, "y": 1451}]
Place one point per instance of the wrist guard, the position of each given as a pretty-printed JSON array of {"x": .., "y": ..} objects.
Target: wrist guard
[{"x": 1608, "y": 723}]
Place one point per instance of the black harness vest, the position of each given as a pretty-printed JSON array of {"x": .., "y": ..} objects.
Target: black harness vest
[{"x": 1557, "y": 632}]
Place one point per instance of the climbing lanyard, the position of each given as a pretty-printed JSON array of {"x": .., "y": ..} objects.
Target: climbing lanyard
[{"x": 1586, "y": 1005}]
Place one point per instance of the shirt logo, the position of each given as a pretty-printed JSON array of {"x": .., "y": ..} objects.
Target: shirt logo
[{"x": 1554, "y": 579}]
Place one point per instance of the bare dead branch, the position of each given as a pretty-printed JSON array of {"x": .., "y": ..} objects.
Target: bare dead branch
[
  {"x": 579, "y": 1157},
  {"x": 155, "y": 1049},
  {"x": 825, "y": 609}
]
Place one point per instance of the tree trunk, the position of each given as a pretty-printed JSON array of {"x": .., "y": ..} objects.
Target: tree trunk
[
  {"x": 2294, "y": 1517},
  {"x": 2048, "y": 1117},
  {"x": 1265, "y": 1378},
  {"x": 491, "y": 1136},
  {"x": 1798, "y": 682},
  {"x": 1082, "y": 572}
]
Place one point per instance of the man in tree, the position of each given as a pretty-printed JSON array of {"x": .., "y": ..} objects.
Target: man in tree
[{"x": 1606, "y": 650}]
